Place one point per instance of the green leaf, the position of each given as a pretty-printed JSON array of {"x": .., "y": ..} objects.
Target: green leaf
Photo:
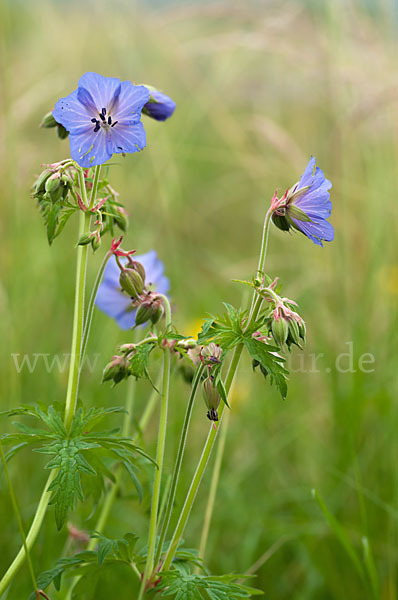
[
  {"x": 139, "y": 361},
  {"x": 187, "y": 586},
  {"x": 270, "y": 362},
  {"x": 68, "y": 450}
]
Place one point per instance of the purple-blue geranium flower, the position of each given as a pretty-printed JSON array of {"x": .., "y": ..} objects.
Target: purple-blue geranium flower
[
  {"x": 103, "y": 118},
  {"x": 160, "y": 107},
  {"x": 115, "y": 303},
  {"x": 306, "y": 206}
]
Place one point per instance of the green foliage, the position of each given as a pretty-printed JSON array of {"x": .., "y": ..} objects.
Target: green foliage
[
  {"x": 138, "y": 363},
  {"x": 225, "y": 330},
  {"x": 270, "y": 361},
  {"x": 69, "y": 450},
  {"x": 181, "y": 585}
]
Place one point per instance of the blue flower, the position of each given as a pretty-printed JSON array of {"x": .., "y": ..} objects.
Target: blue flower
[
  {"x": 103, "y": 118},
  {"x": 306, "y": 206},
  {"x": 115, "y": 303},
  {"x": 160, "y": 107}
]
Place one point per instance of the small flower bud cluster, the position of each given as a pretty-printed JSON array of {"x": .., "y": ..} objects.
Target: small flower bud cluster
[
  {"x": 117, "y": 369},
  {"x": 53, "y": 184},
  {"x": 284, "y": 324},
  {"x": 210, "y": 356}
]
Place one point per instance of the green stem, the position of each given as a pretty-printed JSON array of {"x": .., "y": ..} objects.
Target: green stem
[
  {"x": 97, "y": 171},
  {"x": 159, "y": 457},
  {"x": 71, "y": 394},
  {"x": 207, "y": 449},
  {"x": 18, "y": 517},
  {"x": 177, "y": 466},
  {"x": 213, "y": 488},
  {"x": 186, "y": 509},
  {"x": 77, "y": 337},
  {"x": 91, "y": 304}
]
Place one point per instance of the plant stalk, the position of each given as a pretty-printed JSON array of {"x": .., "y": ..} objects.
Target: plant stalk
[{"x": 159, "y": 457}]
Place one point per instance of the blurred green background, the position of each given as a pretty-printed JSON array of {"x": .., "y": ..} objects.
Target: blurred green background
[{"x": 259, "y": 86}]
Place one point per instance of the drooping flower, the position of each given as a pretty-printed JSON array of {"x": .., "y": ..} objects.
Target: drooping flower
[
  {"x": 115, "y": 303},
  {"x": 306, "y": 206},
  {"x": 160, "y": 107},
  {"x": 103, "y": 118}
]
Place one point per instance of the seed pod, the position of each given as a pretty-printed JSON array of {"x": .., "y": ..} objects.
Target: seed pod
[{"x": 85, "y": 238}]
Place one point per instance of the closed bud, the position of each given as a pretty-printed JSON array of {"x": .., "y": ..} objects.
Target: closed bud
[
  {"x": 151, "y": 309},
  {"x": 136, "y": 266},
  {"x": 62, "y": 132},
  {"x": 121, "y": 217},
  {"x": 39, "y": 184},
  {"x": 48, "y": 121},
  {"x": 303, "y": 331},
  {"x": 86, "y": 238},
  {"x": 96, "y": 242},
  {"x": 280, "y": 330},
  {"x": 52, "y": 183},
  {"x": 131, "y": 282},
  {"x": 211, "y": 397},
  {"x": 116, "y": 370},
  {"x": 294, "y": 331}
]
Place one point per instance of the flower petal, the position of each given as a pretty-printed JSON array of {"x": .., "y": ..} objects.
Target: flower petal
[
  {"x": 127, "y": 138},
  {"x": 72, "y": 114},
  {"x": 90, "y": 148},
  {"x": 104, "y": 90},
  {"x": 322, "y": 230},
  {"x": 131, "y": 100},
  {"x": 111, "y": 300}
]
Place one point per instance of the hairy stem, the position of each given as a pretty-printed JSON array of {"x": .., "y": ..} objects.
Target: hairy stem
[
  {"x": 213, "y": 488},
  {"x": 159, "y": 456},
  {"x": 177, "y": 466}
]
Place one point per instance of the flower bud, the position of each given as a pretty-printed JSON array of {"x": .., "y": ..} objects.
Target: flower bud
[
  {"x": 280, "y": 330},
  {"x": 151, "y": 309},
  {"x": 136, "y": 266},
  {"x": 48, "y": 121},
  {"x": 294, "y": 331},
  {"x": 96, "y": 242},
  {"x": 121, "y": 217},
  {"x": 39, "y": 184},
  {"x": 159, "y": 106},
  {"x": 131, "y": 282},
  {"x": 53, "y": 183},
  {"x": 86, "y": 238},
  {"x": 212, "y": 398},
  {"x": 62, "y": 132},
  {"x": 117, "y": 369}
]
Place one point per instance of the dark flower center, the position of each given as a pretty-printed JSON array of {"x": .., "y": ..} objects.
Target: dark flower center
[{"x": 103, "y": 121}]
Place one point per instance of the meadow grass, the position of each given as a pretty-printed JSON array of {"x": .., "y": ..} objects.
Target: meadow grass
[{"x": 259, "y": 88}]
